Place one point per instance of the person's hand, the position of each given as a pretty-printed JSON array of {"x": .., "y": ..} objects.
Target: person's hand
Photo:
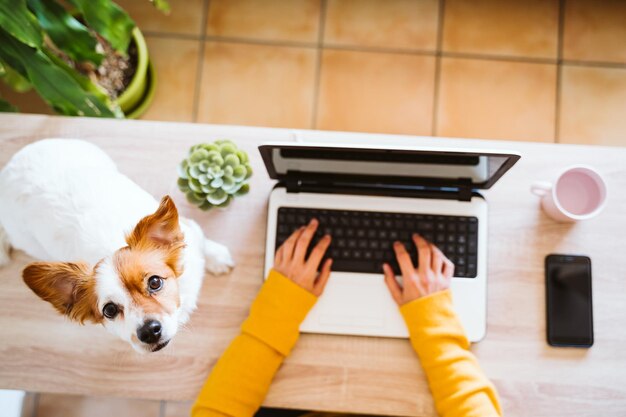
[
  {"x": 290, "y": 259},
  {"x": 433, "y": 273}
]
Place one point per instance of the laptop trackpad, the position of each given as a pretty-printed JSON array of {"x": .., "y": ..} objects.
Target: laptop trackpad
[{"x": 352, "y": 304}]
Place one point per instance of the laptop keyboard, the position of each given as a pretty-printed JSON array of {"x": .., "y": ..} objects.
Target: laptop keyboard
[{"x": 363, "y": 241}]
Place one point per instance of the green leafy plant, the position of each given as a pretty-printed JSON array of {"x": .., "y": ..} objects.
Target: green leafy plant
[
  {"x": 43, "y": 43},
  {"x": 214, "y": 173}
]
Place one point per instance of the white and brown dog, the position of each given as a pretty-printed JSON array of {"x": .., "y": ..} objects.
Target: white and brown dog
[{"x": 140, "y": 266}]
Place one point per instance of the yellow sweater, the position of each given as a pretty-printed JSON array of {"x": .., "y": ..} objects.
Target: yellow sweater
[{"x": 239, "y": 381}]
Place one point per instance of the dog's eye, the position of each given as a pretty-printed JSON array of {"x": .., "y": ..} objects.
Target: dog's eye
[
  {"x": 155, "y": 283},
  {"x": 110, "y": 310}
]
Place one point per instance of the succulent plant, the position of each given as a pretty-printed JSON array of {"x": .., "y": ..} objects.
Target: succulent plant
[{"x": 214, "y": 173}]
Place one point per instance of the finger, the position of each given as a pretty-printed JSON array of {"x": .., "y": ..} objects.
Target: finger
[
  {"x": 318, "y": 253},
  {"x": 423, "y": 252},
  {"x": 278, "y": 258},
  {"x": 305, "y": 240},
  {"x": 323, "y": 277},
  {"x": 448, "y": 269},
  {"x": 290, "y": 244},
  {"x": 436, "y": 262},
  {"x": 404, "y": 260},
  {"x": 392, "y": 284},
  {"x": 444, "y": 282}
]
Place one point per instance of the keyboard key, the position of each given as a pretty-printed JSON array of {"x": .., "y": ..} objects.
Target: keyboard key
[
  {"x": 365, "y": 266},
  {"x": 425, "y": 226}
]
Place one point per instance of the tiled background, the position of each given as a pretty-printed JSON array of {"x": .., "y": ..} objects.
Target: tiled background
[{"x": 539, "y": 70}]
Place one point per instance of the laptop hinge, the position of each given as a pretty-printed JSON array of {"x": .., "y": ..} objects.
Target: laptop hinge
[
  {"x": 465, "y": 189},
  {"x": 292, "y": 185}
]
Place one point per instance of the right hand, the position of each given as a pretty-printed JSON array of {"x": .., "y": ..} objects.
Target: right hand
[
  {"x": 290, "y": 262},
  {"x": 433, "y": 273}
]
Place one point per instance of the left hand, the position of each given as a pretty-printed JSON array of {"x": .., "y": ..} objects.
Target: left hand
[{"x": 290, "y": 262}]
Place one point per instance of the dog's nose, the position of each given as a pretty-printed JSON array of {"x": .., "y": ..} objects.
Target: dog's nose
[{"x": 150, "y": 332}]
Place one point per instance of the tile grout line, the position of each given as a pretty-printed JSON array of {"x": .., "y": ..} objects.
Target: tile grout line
[
  {"x": 559, "y": 71},
  {"x": 438, "y": 58},
  {"x": 266, "y": 42},
  {"x": 374, "y": 49},
  {"x": 200, "y": 65},
  {"x": 596, "y": 64},
  {"x": 505, "y": 58},
  {"x": 318, "y": 63},
  {"x": 357, "y": 48}
]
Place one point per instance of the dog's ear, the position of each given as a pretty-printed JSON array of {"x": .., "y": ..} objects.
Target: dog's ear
[
  {"x": 69, "y": 287},
  {"x": 160, "y": 229}
]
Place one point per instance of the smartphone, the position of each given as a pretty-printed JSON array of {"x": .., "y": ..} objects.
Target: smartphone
[{"x": 568, "y": 301}]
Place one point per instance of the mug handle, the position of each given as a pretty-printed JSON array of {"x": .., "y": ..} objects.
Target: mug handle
[{"x": 541, "y": 188}]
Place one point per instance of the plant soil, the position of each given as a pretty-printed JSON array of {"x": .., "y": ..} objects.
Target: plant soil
[{"x": 115, "y": 71}]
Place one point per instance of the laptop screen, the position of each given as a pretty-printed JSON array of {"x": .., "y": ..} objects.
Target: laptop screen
[{"x": 386, "y": 166}]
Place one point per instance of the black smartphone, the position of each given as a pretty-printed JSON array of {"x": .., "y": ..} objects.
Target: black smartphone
[{"x": 568, "y": 300}]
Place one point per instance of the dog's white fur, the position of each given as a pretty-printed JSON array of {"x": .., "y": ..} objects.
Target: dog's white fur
[{"x": 64, "y": 200}]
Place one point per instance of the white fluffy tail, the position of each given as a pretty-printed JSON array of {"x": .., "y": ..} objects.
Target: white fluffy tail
[{"x": 5, "y": 248}]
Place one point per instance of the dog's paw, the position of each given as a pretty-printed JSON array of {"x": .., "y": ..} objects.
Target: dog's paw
[{"x": 218, "y": 258}]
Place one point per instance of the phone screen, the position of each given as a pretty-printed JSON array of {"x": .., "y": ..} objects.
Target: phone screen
[{"x": 569, "y": 308}]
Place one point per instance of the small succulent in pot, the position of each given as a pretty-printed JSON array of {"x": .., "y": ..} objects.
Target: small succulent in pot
[{"x": 214, "y": 173}]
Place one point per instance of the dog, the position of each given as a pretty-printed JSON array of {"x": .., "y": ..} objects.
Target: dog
[{"x": 110, "y": 253}]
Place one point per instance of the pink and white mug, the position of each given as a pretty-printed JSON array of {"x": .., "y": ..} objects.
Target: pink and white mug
[{"x": 579, "y": 193}]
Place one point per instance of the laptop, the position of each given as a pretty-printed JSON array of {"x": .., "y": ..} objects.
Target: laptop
[{"x": 367, "y": 197}]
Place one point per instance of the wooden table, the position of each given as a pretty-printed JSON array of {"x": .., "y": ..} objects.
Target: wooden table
[{"x": 41, "y": 351}]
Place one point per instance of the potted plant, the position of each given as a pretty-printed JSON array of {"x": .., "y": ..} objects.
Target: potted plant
[
  {"x": 87, "y": 58},
  {"x": 213, "y": 174}
]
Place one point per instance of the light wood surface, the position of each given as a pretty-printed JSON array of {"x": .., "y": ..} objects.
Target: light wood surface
[{"x": 41, "y": 351}]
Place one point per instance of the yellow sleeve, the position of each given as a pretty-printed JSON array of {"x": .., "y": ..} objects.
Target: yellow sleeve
[
  {"x": 239, "y": 381},
  {"x": 458, "y": 385}
]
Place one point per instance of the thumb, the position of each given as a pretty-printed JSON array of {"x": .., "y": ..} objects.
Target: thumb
[{"x": 392, "y": 284}]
